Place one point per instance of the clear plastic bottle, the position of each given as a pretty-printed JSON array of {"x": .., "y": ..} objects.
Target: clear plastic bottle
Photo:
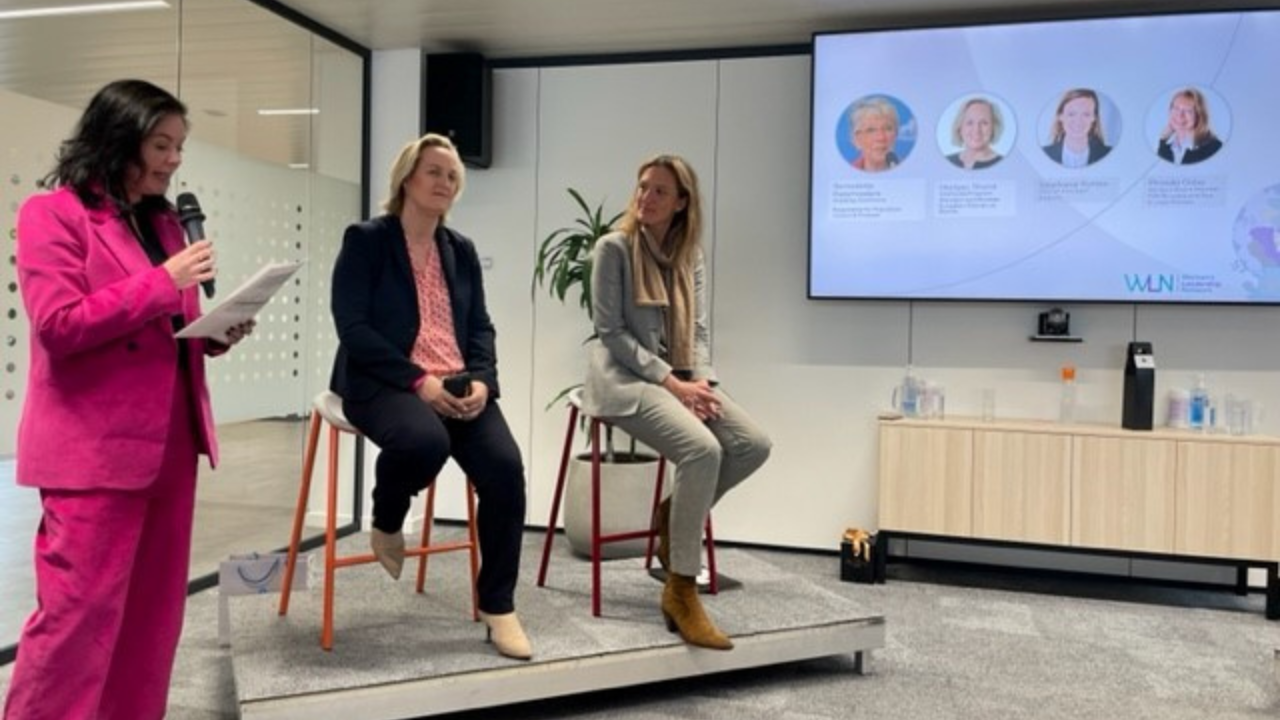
[
  {"x": 908, "y": 397},
  {"x": 1198, "y": 413},
  {"x": 1067, "y": 406}
]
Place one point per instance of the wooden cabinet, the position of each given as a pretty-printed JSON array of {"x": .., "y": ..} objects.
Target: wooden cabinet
[
  {"x": 1088, "y": 486},
  {"x": 929, "y": 472},
  {"x": 1228, "y": 500},
  {"x": 1122, "y": 493},
  {"x": 1022, "y": 487}
]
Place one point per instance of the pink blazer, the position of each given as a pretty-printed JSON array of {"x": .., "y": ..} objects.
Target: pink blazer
[{"x": 103, "y": 355}]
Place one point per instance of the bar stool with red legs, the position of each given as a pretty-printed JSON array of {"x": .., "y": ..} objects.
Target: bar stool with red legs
[
  {"x": 598, "y": 539},
  {"x": 327, "y": 408}
]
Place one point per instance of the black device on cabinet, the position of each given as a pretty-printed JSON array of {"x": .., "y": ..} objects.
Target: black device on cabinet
[{"x": 1139, "y": 387}]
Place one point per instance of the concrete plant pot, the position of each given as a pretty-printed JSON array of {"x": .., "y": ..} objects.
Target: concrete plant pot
[{"x": 626, "y": 502}]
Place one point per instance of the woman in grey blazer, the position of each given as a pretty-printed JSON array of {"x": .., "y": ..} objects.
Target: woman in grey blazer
[{"x": 650, "y": 374}]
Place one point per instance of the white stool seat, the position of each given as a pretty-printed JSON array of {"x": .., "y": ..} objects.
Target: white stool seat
[{"x": 329, "y": 405}]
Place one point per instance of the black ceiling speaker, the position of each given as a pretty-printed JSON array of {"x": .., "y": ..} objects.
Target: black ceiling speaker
[{"x": 456, "y": 102}]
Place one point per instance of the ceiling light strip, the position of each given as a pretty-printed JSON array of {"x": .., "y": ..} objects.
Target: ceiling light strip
[
  {"x": 288, "y": 111},
  {"x": 95, "y": 8}
]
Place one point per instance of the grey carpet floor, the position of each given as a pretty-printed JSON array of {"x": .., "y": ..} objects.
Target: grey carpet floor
[{"x": 962, "y": 643}]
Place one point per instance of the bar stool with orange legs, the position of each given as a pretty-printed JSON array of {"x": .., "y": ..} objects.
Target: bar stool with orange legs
[
  {"x": 598, "y": 539},
  {"x": 327, "y": 408}
]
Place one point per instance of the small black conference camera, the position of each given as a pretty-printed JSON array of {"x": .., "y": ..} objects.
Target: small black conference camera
[{"x": 1055, "y": 321}]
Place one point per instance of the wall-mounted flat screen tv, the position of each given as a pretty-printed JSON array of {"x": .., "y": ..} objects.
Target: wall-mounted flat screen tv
[{"x": 1131, "y": 159}]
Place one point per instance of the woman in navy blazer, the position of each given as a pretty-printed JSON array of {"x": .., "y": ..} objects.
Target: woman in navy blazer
[{"x": 408, "y": 302}]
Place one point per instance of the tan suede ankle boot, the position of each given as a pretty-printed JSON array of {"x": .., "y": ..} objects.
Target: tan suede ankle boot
[{"x": 683, "y": 612}]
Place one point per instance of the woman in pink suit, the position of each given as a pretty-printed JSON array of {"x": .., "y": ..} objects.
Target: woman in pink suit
[{"x": 116, "y": 413}]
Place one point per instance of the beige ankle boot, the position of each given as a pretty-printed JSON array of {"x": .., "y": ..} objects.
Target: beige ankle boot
[
  {"x": 507, "y": 636},
  {"x": 389, "y": 549}
]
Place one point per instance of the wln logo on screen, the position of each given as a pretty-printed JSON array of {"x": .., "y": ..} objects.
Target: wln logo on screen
[{"x": 1149, "y": 284}]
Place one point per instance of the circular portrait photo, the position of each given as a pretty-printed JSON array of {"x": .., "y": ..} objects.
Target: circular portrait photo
[
  {"x": 876, "y": 133},
  {"x": 976, "y": 132},
  {"x": 1188, "y": 125},
  {"x": 1080, "y": 128}
]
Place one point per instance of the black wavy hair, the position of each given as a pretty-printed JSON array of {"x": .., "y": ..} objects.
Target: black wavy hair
[{"x": 108, "y": 139}]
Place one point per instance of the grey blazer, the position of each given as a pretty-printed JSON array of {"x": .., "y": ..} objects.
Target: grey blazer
[{"x": 625, "y": 355}]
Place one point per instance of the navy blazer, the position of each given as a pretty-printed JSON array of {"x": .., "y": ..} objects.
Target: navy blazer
[
  {"x": 1203, "y": 151},
  {"x": 375, "y": 309}
]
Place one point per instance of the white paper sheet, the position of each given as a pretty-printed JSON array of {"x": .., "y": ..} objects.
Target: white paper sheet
[{"x": 243, "y": 303}]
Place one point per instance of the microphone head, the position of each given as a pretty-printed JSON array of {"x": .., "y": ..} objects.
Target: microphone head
[{"x": 189, "y": 207}]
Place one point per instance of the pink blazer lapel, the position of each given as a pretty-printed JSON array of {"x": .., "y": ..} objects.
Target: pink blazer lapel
[{"x": 114, "y": 233}]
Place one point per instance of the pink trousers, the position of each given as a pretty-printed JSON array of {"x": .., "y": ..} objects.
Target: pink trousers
[{"x": 111, "y": 584}]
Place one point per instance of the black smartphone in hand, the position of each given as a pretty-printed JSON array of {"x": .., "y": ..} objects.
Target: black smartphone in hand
[{"x": 458, "y": 385}]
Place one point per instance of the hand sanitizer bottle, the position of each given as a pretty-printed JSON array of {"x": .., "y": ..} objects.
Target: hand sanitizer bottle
[{"x": 1198, "y": 416}]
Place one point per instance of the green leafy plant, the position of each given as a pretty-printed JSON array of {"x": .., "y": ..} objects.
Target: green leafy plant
[
  {"x": 564, "y": 257},
  {"x": 563, "y": 266},
  {"x": 564, "y": 260}
]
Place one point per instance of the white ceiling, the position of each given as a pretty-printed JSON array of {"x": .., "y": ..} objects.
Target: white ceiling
[{"x": 505, "y": 29}]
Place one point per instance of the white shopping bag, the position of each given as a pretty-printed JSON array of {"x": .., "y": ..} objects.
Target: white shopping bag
[{"x": 254, "y": 574}]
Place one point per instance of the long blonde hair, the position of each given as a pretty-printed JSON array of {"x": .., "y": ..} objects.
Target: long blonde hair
[
  {"x": 686, "y": 224},
  {"x": 407, "y": 161}
]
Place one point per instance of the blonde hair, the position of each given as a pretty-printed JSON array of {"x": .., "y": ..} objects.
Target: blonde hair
[
  {"x": 407, "y": 161},
  {"x": 686, "y": 224},
  {"x": 997, "y": 122},
  {"x": 1201, "y": 129}
]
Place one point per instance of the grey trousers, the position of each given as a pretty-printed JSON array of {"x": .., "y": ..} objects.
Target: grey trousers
[{"x": 711, "y": 458}]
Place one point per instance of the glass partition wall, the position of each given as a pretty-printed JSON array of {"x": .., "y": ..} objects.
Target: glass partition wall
[{"x": 276, "y": 156}]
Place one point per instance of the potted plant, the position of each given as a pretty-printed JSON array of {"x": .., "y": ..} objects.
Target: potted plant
[{"x": 563, "y": 266}]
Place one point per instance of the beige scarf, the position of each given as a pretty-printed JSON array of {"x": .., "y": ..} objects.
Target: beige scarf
[{"x": 661, "y": 282}]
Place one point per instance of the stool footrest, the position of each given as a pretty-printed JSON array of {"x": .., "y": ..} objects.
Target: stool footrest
[
  {"x": 619, "y": 537},
  {"x": 349, "y": 560},
  {"x": 437, "y": 548}
]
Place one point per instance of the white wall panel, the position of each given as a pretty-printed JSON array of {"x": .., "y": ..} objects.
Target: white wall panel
[{"x": 395, "y": 92}]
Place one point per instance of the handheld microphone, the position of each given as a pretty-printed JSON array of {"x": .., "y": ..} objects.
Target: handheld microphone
[{"x": 192, "y": 219}]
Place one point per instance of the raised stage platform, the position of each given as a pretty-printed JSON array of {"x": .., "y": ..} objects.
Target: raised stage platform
[{"x": 398, "y": 654}]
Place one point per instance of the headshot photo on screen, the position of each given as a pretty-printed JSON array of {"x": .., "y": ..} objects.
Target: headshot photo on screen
[
  {"x": 876, "y": 133},
  {"x": 976, "y": 132},
  {"x": 1189, "y": 124},
  {"x": 1082, "y": 127}
]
